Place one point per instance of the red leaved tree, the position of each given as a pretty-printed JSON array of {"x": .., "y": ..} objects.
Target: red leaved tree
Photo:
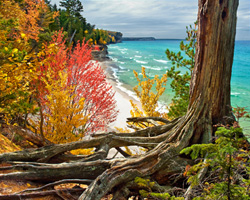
[
  {"x": 90, "y": 82},
  {"x": 85, "y": 79}
]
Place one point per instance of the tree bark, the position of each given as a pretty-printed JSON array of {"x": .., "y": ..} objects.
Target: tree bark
[{"x": 214, "y": 57}]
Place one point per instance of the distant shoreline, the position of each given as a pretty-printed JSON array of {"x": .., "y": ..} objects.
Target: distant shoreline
[
  {"x": 147, "y": 39},
  {"x": 138, "y": 39}
]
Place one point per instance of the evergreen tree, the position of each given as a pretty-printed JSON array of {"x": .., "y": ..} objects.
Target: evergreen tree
[
  {"x": 73, "y": 7},
  {"x": 180, "y": 83}
]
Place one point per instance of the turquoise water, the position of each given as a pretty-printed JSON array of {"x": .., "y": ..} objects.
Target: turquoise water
[{"x": 132, "y": 55}]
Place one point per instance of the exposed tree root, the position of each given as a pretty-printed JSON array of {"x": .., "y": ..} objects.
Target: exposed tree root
[
  {"x": 30, "y": 163},
  {"x": 79, "y": 181},
  {"x": 75, "y": 191}
]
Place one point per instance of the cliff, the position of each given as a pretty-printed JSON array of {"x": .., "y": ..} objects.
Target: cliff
[
  {"x": 116, "y": 35},
  {"x": 101, "y": 54}
]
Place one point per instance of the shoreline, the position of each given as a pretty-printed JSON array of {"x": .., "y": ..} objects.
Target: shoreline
[{"x": 122, "y": 98}]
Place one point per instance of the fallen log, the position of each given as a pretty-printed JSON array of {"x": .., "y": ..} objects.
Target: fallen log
[{"x": 55, "y": 172}]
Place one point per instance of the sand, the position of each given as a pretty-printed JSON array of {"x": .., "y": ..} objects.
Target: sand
[{"x": 122, "y": 98}]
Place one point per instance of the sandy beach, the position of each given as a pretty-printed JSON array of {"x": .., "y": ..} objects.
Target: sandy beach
[{"x": 122, "y": 98}]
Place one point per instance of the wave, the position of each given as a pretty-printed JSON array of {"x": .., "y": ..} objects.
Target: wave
[
  {"x": 153, "y": 68},
  {"x": 127, "y": 91},
  {"x": 138, "y": 56},
  {"x": 113, "y": 47},
  {"x": 142, "y": 62},
  {"x": 161, "y": 61},
  {"x": 235, "y": 93}
]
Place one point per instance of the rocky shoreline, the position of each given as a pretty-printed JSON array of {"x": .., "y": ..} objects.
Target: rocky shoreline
[{"x": 101, "y": 54}]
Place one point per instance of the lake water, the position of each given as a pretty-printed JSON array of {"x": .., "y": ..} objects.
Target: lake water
[{"x": 132, "y": 55}]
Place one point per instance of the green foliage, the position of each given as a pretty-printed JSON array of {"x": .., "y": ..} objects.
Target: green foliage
[
  {"x": 73, "y": 7},
  {"x": 197, "y": 150},
  {"x": 75, "y": 25},
  {"x": 180, "y": 83},
  {"x": 229, "y": 161},
  {"x": 147, "y": 191}
]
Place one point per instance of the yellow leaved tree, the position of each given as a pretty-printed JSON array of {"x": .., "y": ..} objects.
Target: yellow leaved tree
[
  {"x": 149, "y": 100},
  {"x": 18, "y": 62},
  {"x": 64, "y": 119}
]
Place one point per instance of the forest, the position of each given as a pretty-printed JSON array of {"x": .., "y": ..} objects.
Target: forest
[{"x": 56, "y": 106}]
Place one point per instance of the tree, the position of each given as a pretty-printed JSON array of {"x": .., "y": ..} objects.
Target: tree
[
  {"x": 209, "y": 105},
  {"x": 74, "y": 95},
  {"x": 180, "y": 83},
  {"x": 148, "y": 99},
  {"x": 228, "y": 156},
  {"x": 73, "y": 7},
  {"x": 73, "y": 16},
  {"x": 19, "y": 25}
]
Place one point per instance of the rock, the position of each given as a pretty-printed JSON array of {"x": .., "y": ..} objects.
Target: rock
[
  {"x": 116, "y": 35},
  {"x": 101, "y": 54}
]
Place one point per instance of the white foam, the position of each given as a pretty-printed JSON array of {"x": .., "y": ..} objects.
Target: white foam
[
  {"x": 153, "y": 68},
  {"x": 115, "y": 70},
  {"x": 113, "y": 47},
  {"x": 138, "y": 56},
  {"x": 142, "y": 62},
  {"x": 161, "y": 61},
  {"x": 235, "y": 93},
  {"x": 128, "y": 92}
]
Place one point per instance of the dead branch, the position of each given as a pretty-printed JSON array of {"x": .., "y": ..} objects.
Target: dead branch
[
  {"x": 145, "y": 119},
  {"x": 79, "y": 181},
  {"x": 75, "y": 191}
]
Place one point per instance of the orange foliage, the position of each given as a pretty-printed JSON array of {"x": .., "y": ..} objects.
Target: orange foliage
[
  {"x": 74, "y": 95},
  {"x": 7, "y": 145},
  {"x": 19, "y": 24}
]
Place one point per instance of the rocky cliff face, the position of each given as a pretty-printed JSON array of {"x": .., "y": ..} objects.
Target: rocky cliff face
[
  {"x": 116, "y": 35},
  {"x": 101, "y": 54}
]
